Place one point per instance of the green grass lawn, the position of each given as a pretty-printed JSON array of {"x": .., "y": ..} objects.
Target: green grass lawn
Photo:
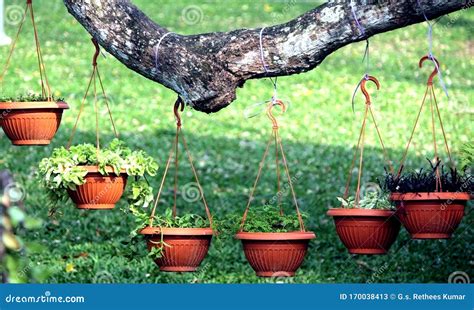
[{"x": 319, "y": 132}]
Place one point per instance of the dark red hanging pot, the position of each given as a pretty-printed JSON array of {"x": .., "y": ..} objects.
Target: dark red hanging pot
[{"x": 365, "y": 231}]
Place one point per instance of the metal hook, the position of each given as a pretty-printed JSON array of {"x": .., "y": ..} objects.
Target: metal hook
[
  {"x": 364, "y": 91},
  {"x": 179, "y": 102},
  {"x": 97, "y": 52},
  {"x": 270, "y": 114},
  {"x": 435, "y": 71}
]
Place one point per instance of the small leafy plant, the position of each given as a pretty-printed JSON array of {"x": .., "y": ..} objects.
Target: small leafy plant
[
  {"x": 63, "y": 170},
  {"x": 28, "y": 98},
  {"x": 425, "y": 180},
  {"x": 261, "y": 219},
  {"x": 371, "y": 200}
]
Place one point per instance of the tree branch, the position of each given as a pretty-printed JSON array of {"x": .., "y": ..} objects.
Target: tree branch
[{"x": 206, "y": 69}]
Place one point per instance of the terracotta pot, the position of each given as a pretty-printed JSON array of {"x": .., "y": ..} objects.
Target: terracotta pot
[
  {"x": 430, "y": 215},
  {"x": 366, "y": 231},
  {"x": 99, "y": 192},
  {"x": 187, "y": 247},
  {"x": 31, "y": 123},
  {"x": 275, "y": 254}
]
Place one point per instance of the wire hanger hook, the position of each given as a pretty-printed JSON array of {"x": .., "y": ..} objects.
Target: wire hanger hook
[
  {"x": 364, "y": 90},
  {"x": 435, "y": 71},
  {"x": 270, "y": 115}
]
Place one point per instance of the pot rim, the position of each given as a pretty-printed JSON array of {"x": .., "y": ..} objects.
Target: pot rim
[
  {"x": 95, "y": 169},
  {"x": 32, "y": 105},
  {"x": 360, "y": 212},
  {"x": 430, "y": 196},
  {"x": 176, "y": 231},
  {"x": 292, "y": 235}
]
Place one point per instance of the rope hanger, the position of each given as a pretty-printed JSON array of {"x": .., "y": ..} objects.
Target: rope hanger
[
  {"x": 45, "y": 87},
  {"x": 274, "y": 137},
  {"x": 361, "y": 141},
  {"x": 94, "y": 77},
  {"x": 178, "y": 106}
]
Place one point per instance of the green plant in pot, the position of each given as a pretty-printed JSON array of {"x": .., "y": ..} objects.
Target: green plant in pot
[
  {"x": 430, "y": 202},
  {"x": 31, "y": 119},
  {"x": 366, "y": 224},
  {"x": 274, "y": 243},
  {"x": 96, "y": 178},
  {"x": 176, "y": 243}
]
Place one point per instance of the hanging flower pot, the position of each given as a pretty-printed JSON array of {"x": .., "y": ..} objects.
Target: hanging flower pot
[
  {"x": 272, "y": 254},
  {"x": 97, "y": 184},
  {"x": 365, "y": 231},
  {"x": 31, "y": 119},
  {"x": 95, "y": 177},
  {"x": 31, "y": 123},
  {"x": 176, "y": 243},
  {"x": 181, "y": 249},
  {"x": 274, "y": 243},
  {"x": 430, "y": 202},
  {"x": 99, "y": 191},
  {"x": 366, "y": 225},
  {"x": 430, "y": 215}
]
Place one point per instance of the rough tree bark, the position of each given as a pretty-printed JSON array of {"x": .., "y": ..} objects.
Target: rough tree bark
[{"x": 206, "y": 69}]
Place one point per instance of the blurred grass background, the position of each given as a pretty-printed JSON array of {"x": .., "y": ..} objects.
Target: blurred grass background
[{"x": 319, "y": 132}]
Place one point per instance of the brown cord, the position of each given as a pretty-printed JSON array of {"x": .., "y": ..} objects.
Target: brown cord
[
  {"x": 95, "y": 75},
  {"x": 179, "y": 104},
  {"x": 433, "y": 104},
  {"x": 361, "y": 142},
  {"x": 45, "y": 87},
  {"x": 276, "y": 138}
]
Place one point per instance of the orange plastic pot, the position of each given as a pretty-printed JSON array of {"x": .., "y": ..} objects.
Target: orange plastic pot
[
  {"x": 187, "y": 247},
  {"x": 31, "y": 123},
  {"x": 430, "y": 215},
  {"x": 99, "y": 192},
  {"x": 366, "y": 231},
  {"x": 275, "y": 254}
]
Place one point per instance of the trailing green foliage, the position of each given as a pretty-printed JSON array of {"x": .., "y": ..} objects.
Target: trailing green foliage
[
  {"x": 425, "y": 180},
  {"x": 371, "y": 200},
  {"x": 62, "y": 171},
  {"x": 28, "y": 98}
]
